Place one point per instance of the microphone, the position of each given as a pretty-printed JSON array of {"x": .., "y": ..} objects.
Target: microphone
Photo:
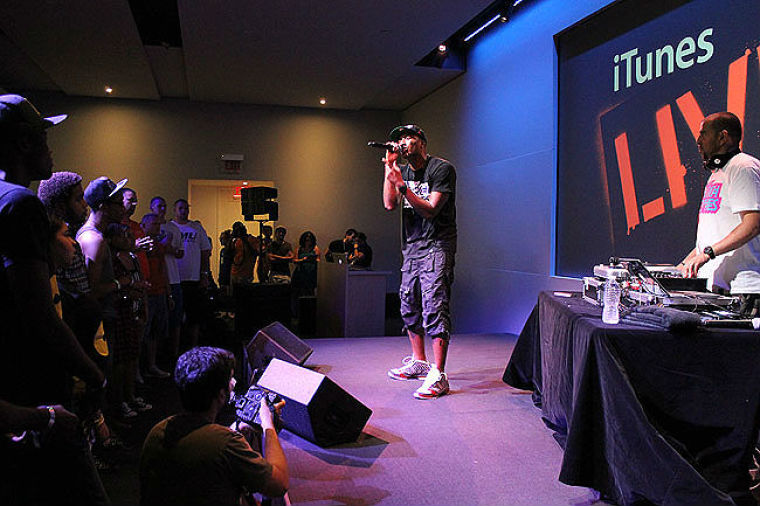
[{"x": 388, "y": 146}]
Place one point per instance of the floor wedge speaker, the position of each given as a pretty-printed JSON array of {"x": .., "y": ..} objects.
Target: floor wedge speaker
[
  {"x": 276, "y": 341},
  {"x": 315, "y": 407}
]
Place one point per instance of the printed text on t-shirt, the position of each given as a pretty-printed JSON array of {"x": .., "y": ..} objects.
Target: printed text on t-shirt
[
  {"x": 420, "y": 188},
  {"x": 711, "y": 199}
]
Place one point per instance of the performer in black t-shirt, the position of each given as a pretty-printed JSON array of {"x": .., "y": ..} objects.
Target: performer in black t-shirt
[{"x": 426, "y": 189}]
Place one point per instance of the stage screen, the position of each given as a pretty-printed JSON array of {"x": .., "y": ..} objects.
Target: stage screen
[{"x": 635, "y": 80}]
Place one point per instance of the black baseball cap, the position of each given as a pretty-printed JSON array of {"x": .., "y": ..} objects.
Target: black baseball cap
[
  {"x": 402, "y": 130},
  {"x": 100, "y": 190},
  {"x": 16, "y": 110}
]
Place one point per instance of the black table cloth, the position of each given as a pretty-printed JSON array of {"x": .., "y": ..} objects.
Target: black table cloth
[{"x": 644, "y": 416}]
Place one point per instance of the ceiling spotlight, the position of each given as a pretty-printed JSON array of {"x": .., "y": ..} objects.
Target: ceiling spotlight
[
  {"x": 323, "y": 100},
  {"x": 442, "y": 48},
  {"x": 109, "y": 90}
]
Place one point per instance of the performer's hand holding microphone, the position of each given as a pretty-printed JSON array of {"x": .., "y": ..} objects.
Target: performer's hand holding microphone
[
  {"x": 388, "y": 146},
  {"x": 392, "y": 150}
]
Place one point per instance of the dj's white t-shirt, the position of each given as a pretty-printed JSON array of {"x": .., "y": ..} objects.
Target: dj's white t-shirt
[{"x": 730, "y": 190}]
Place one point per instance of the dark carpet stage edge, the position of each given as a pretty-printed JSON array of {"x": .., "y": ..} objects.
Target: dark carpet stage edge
[
  {"x": 644, "y": 416},
  {"x": 483, "y": 444}
]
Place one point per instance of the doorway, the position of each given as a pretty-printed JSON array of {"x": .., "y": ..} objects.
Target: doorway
[{"x": 216, "y": 203}]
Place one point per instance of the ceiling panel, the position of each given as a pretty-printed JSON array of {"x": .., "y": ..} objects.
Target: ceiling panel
[
  {"x": 357, "y": 54},
  {"x": 82, "y": 45}
]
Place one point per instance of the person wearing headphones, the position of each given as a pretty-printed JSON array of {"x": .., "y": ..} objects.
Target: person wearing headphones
[{"x": 727, "y": 250}]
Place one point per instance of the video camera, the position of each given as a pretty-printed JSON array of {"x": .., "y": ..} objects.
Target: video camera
[{"x": 247, "y": 405}]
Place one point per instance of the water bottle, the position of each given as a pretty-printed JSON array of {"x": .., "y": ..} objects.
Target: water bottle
[{"x": 611, "y": 313}]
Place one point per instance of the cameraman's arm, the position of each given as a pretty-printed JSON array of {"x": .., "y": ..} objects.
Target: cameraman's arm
[{"x": 273, "y": 454}]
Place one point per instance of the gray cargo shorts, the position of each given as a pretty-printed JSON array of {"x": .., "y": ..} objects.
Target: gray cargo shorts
[{"x": 425, "y": 292}]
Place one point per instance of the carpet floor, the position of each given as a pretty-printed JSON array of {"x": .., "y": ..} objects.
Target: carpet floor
[{"x": 483, "y": 444}]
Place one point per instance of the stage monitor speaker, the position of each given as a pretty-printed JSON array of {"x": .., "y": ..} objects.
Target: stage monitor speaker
[
  {"x": 276, "y": 341},
  {"x": 315, "y": 407}
]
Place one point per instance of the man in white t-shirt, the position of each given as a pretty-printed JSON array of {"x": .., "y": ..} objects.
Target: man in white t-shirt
[
  {"x": 727, "y": 251},
  {"x": 174, "y": 250},
  {"x": 193, "y": 267}
]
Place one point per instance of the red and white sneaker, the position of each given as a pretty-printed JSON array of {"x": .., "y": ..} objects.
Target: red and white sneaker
[
  {"x": 412, "y": 369},
  {"x": 436, "y": 384}
]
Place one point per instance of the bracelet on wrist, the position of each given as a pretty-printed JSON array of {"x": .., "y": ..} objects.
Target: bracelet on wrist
[{"x": 51, "y": 419}]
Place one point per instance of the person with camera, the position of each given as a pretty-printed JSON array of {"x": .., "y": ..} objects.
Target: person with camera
[
  {"x": 245, "y": 249},
  {"x": 360, "y": 256},
  {"x": 190, "y": 459}
]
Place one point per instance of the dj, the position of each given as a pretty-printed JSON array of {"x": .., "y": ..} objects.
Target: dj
[{"x": 727, "y": 252}]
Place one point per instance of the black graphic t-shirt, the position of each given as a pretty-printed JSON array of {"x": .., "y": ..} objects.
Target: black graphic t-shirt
[{"x": 420, "y": 234}]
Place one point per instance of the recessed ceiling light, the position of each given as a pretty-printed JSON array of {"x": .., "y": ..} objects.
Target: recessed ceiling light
[
  {"x": 323, "y": 100},
  {"x": 109, "y": 90}
]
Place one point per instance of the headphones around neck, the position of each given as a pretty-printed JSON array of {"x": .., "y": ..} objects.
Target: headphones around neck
[{"x": 719, "y": 161}]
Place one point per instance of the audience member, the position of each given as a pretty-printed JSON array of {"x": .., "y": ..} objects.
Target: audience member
[
  {"x": 361, "y": 255},
  {"x": 38, "y": 349},
  {"x": 172, "y": 240},
  {"x": 194, "y": 270},
  {"x": 189, "y": 459},
  {"x": 142, "y": 243},
  {"x": 280, "y": 255},
  {"x": 157, "y": 323},
  {"x": 131, "y": 307},
  {"x": 61, "y": 254},
  {"x": 305, "y": 273},
  {"x": 265, "y": 265},
  {"x": 63, "y": 197},
  {"x": 105, "y": 201},
  {"x": 226, "y": 256},
  {"x": 344, "y": 245},
  {"x": 246, "y": 250}
]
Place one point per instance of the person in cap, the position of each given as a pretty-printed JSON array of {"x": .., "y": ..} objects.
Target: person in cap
[
  {"x": 106, "y": 207},
  {"x": 38, "y": 351},
  {"x": 105, "y": 200},
  {"x": 425, "y": 188}
]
